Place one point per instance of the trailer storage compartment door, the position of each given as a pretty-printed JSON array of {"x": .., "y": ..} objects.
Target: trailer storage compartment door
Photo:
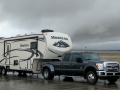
[{"x": 36, "y": 65}]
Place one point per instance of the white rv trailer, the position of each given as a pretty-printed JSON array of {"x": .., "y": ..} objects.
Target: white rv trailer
[{"x": 24, "y": 53}]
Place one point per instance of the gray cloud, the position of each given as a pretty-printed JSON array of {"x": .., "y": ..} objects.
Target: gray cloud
[
  {"x": 88, "y": 22},
  {"x": 98, "y": 33},
  {"x": 31, "y": 14},
  {"x": 98, "y": 46}
]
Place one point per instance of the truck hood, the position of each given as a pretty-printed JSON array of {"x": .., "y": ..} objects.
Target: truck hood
[{"x": 100, "y": 61}]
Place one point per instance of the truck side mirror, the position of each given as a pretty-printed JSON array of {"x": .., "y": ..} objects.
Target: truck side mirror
[{"x": 79, "y": 60}]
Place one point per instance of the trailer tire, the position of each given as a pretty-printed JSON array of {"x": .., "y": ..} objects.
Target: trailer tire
[
  {"x": 3, "y": 71},
  {"x": 46, "y": 74},
  {"x": 24, "y": 74},
  {"x": 31, "y": 74}
]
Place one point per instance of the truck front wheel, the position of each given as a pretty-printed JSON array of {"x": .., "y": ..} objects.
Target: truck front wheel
[
  {"x": 112, "y": 80},
  {"x": 47, "y": 75},
  {"x": 91, "y": 77}
]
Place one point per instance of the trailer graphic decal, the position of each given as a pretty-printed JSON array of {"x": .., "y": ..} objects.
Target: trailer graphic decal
[
  {"x": 32, "y": 51},
  {"x": 8, "y": 58},
  {"x": 61, "y": 44}
]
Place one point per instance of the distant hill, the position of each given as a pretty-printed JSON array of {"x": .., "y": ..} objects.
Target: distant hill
[{"x": 99, "y": 51}]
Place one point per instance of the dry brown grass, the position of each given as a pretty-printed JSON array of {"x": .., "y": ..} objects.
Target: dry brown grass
[{"x": 111, "y": 56}]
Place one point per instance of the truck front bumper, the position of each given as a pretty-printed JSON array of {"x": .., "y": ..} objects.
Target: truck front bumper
[{"x": 104, "y": 73}]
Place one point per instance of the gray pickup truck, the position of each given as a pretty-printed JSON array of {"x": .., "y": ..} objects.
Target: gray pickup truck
[{"x": 89, "y": 65}]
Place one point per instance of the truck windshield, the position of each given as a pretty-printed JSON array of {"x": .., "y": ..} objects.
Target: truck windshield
[{"x": 91, "y": 56}]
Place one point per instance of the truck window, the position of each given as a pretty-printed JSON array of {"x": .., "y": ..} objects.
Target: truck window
[
  {"x": 90, "y": 56},
  {"x": 74, "y": 56},
  {"x": 33, "y": 45},
  {"x": 67, "y": 57}
]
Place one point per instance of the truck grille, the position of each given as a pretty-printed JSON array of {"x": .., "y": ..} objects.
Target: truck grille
[{"x": 112, "y": 67}]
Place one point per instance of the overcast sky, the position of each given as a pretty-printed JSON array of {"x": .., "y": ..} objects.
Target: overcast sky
[{"x": 94, "y": 24}]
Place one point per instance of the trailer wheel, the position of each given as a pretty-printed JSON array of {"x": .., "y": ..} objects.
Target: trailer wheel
[
  {"x": 3, "y": 71},
  {"x": 24, "y": 74},
  {"x": 112, "y": 80},
  {"x": 19, "y": 73},
  {"x": 46, "y": 74},
  {"x": 31, "y": 74},
  {"x": 92, "y": 77}
]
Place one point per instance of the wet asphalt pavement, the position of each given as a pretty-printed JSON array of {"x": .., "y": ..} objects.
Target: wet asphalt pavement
[{"x": 14, "y": 82}]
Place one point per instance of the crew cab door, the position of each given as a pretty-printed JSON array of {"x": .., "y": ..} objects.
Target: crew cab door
[
  {"x": 65, "y": 64},
  {"x": 76, "y": 67}
]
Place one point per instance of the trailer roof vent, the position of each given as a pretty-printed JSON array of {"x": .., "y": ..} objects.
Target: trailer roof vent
[
  {"x": 18, "y": 35},
  {"x": 46, "y": 30}
]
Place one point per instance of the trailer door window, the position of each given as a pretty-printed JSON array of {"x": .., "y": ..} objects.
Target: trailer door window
[
  {"x": 7, "y": 49},
  {"x": 33, "y": 45}
]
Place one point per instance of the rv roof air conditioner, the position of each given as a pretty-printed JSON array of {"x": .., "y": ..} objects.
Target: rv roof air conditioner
[
  {"x": 18, "y": 35},
  {"x": 46, "y": 30}
]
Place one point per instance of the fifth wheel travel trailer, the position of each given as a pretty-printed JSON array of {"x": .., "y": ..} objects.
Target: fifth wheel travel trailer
[{"x": 23, "y": 53}]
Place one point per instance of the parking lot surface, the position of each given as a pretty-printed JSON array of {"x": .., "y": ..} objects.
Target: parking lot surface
[{"x": 14, "y": 82}]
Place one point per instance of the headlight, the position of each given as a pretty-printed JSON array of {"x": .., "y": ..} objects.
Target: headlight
[{"x": 100, "y": 66}]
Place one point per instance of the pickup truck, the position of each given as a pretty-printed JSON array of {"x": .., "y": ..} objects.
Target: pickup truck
[{"x": 87, "y": 64}]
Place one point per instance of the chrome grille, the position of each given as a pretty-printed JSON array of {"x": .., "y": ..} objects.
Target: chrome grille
[{"x": 112, "y": 67}]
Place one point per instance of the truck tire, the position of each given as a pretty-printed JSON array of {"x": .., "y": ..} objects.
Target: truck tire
[
  {"x": 3, "y": 71},
  {"x": 112, "y": 80},
  {"x": 91, "y": 77},
  {"x": 47, "y": 75}
]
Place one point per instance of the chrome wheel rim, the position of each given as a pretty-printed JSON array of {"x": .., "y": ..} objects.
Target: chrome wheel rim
[
  {"x": 3, "y": 71},
  {"x": 91, "y": 77},
  {"x": 46, "y": 73}
]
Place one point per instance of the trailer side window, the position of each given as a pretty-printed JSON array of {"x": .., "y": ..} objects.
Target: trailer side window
[
  {"x": 67, "y": 57},
  {"x": 33, "y": 45}
]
